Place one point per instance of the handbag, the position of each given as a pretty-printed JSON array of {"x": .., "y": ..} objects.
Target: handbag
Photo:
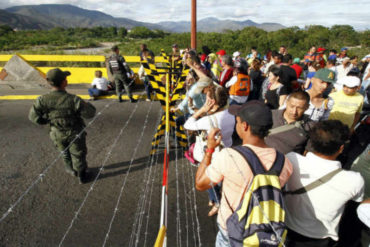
[
  {"x": 200, "y": 146},
  {"x": 201, "y": 141}
]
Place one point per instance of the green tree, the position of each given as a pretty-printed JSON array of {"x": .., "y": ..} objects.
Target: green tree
[
  {"x": 5, "y": 29},
  {"x": 122, "y": 32},
  {"x": 141, "y": 32}
]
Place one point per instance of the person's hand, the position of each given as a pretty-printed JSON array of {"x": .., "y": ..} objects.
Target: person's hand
[
  {"x": 208, "y": 105},
  {"x": 174, "y": 109},
  {"x": 214, "y": 138}
]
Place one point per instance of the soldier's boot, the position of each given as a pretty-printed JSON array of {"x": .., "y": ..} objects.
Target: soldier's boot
[
  {"x": 132, "y": 100},
  {"x": 83, "y": 177},
  {"x": 119, "y": 98}
]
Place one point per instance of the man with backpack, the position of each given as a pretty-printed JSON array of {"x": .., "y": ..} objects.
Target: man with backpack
[
  {"x": 252, "y": 176},
  {"x": 319, "y": 188},
  {"x": 121, "y": 73}
]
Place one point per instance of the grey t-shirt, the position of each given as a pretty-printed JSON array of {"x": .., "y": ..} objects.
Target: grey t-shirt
[{"x": 293, "y": 140}]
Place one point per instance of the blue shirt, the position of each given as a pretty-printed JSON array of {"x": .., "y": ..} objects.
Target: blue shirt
[{"x": 198, "y": 100}]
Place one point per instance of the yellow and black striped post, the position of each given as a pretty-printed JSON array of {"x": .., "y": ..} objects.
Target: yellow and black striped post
[{"x": 176, "y": 84}]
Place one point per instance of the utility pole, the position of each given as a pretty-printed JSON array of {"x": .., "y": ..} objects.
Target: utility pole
[{"x": 194, "y": 24}]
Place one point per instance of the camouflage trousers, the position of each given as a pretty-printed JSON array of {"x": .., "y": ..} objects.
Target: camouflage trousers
[
  {"x": 74, "y": 154},
  {"x": 121, "y": 80}
]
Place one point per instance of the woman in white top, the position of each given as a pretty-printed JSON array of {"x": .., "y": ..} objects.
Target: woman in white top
[
  {"x": 213, "y": 114},
  {"x": 214, "y": 108}
]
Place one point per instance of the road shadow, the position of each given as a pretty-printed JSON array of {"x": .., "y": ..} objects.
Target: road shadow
[{"x": 120, "y": 168}]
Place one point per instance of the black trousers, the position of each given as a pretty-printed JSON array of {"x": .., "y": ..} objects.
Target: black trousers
[{"x": 295, "y": 239}]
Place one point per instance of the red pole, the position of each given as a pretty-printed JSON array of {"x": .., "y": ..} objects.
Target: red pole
[{"x": 194, "y": 24}]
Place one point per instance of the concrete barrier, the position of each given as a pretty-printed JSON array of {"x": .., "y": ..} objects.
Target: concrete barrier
[{"x": 79, "y": 74}]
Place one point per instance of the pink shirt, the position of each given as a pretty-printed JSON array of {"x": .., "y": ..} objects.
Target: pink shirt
[{"x": 231, "y": 168}]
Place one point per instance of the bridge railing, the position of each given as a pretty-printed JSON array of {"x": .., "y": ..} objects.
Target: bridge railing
[{"x": 78, "y": 75}]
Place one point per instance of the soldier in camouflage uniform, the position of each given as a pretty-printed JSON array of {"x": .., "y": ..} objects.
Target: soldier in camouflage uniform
[
  {"x": 63, "y": 112},
  {"x": 120, "y": 71}
]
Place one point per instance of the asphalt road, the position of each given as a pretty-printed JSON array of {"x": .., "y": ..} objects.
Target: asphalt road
[{"x": 57, "y": 210}]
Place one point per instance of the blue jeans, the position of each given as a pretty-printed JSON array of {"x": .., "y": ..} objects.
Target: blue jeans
[
  {"x": 215, "y": 194},
  {"x": 93, "y": 92},
  {"x": 148, "y": 87},
  {"x": 222, "y": 240}
]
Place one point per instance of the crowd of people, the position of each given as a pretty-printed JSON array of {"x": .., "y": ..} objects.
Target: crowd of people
[
  {"x": 295, "y": 118},
  {"x": 281, "y": 144}
]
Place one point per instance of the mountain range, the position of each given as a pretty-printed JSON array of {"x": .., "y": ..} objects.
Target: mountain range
[{"x": 46, "y": 16}]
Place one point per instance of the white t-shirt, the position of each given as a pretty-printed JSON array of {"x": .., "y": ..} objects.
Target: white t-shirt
[
  {"x": 316, "y": 214},
  {"x": 100, "y": 83},
  {"x": 343, "y": 71},
  {"x": 225, "y": 122}
]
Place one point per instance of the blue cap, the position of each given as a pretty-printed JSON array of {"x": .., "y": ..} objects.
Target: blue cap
[
  {"x": 344, "y": 49},
  {"x": 332, "y": 57}
]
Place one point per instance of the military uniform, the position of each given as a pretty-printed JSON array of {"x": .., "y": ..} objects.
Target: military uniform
[
  {"x": 64, "y": 112},
  {"x": 119, "y": 69}
]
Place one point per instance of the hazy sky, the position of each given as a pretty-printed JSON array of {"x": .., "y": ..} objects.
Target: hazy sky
[{"x": 286, "y": 12}]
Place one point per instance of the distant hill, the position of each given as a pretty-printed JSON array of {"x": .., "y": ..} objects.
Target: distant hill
[
  {"x": 21, "y": 21},
  {"x": 215, "y": 25},
  {"x": 65, "y": 15},
  {"x": 47, "y": 16}
]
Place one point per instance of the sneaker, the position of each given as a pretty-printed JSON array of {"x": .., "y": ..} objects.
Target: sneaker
[
  {"x": 147, "y": 100},
  {"x": 213, "y": 211},
  {"x": 132, "y": 100}
]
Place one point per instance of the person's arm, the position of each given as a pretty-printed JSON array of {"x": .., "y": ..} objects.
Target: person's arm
[
  {"x": 86, "y": 109},
  {"x": 196, "y": 70},
  {"x": 36, "y": 115},
  {"x": 232, "y": 81},
  {"x": 283, "y": 93},
  {"x": 355, "y": 121},
  {"x": 307, "y": 83},
  {"x": 124, "y": 64},
  {"x": 202, "y": 181},
  {"x": 282, "y": 99},
  {"x": 328, "y": 108}
]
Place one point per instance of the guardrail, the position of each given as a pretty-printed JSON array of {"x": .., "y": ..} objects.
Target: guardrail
[{"x": 78, "y": 74}]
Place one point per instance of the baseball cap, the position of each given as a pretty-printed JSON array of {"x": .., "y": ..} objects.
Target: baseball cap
[
  {"x": 350, "y": 81},
  {"x": 344, "y": 49},
  {"x": 174, "y": 45},
  {"x": 332, "y": 57},
  {"x": 56, "y": 76},
  {"x": 203, "y": 57},
  {"x": 320, "y": 49},
  {"x": 236, "y": 54},
  {"x": 221, "y": 52},
  {"x": 253, "y": 112},
  {"x": 202, "y": 83},
  {"x": 326, "y": 75}
]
